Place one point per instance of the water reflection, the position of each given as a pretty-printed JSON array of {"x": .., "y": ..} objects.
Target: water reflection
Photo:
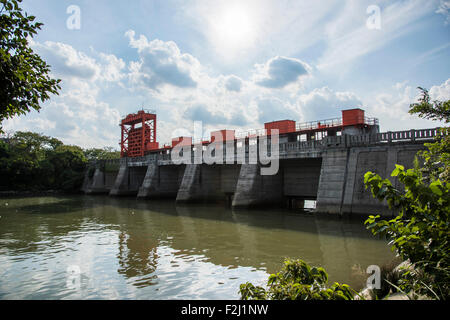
[
  {"x": 137, "y": 257},
  {"x": 128, "y": 248}
]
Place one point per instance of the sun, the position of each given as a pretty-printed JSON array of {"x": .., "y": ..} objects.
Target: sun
[{"x": 233, "y": 28}]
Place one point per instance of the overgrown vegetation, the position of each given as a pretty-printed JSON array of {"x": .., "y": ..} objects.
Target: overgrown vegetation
[{"x": 31, "y": 161}]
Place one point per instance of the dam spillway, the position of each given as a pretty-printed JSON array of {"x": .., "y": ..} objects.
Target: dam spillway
[{"x": 329, "y": 171}]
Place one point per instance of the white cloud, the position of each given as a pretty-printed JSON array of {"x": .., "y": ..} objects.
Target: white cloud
[
  {"x": 278, "y": 72},
  {"x": 392, "y": 107},
  {"x": 325, "y": 103},
  {"x": 78, "y": 115},
  {"x": 112, "y": 68},
  {"x": 273, "y": 109},
  {"x": 444, "y": 9},
  {"x": 233, "y": 83},
  {"x": 161, "y": 63},
  {"x": 441, "y": 92},
  {"x": 67, "y": 61}
]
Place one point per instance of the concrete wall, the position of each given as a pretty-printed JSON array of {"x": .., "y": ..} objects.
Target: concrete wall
[
  {"x": 161, "y": 181},
  {"x": 341, "y": 186},
  {"x": 100, "y": 183},
  {"x": 208, "y": 183},
  {"x": 332, "y": 180},
  {"x": 336, "y": 180},
  {"x": 254, "y": 190},
  {"x": 128, "y": 181}
]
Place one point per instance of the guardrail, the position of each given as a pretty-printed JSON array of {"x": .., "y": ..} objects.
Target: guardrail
[{"x": 321, "y": 124}]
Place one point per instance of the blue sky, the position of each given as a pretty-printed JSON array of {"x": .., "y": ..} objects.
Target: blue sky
[{"x": 235, "y": 64}]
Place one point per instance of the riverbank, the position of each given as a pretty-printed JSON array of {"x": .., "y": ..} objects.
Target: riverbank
[{"x": 35, "y": 193}]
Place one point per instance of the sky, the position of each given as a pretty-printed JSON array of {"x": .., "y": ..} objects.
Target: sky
[{"x": 234, "y": 64}]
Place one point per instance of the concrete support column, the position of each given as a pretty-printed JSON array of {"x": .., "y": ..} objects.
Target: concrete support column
[
  {"x": 190, "y": 185},
  {"x": 253, "y": 189},
  {"x": 122, "y": 182},
  {"x": 98, "y": 183},
  {"x": 332, "y": 180},
  {"x": 352, "y": 164},
  {"x": 87, "y": 182},
  {"x": 161, "y": 181},
  {"x": 150, "y": 183}
]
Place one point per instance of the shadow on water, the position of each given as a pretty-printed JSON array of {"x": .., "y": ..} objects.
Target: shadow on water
[{"x": 262, "y": 218}]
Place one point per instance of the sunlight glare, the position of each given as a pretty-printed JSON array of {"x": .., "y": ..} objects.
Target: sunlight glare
[{"x": 234, "y": 28}]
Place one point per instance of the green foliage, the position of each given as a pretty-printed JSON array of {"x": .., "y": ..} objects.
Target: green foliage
[
  {"x": 24, "y": 76},
  {"x": 420, "y": 231},
  {"x": 107, "y": 153},
  {"x": 69, "y": 164},
  {"x": 437, "y": 157},
  {"x": 436, "y": 110},
  {"x": 297, "y": 281},
  {"x": 30, "y": 161}
]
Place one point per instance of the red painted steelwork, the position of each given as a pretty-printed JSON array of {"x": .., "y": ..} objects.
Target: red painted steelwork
[
  {"x": 138, "y": 134},
  {"x": 182, "y": 141},
  {"x": 352, "y": 117},
  {"x": 139, "y": 131},
  {"x": 283, "y": 126},
  {"x": 222, "y": 135}
]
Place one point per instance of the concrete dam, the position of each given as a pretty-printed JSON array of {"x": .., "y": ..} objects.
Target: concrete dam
[{"x": 324, "y": 161}]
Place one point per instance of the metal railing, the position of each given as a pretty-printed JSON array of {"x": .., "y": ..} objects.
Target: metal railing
[
  {"x": 312, "y": 125},
  {"x": 252, "y": 133}
]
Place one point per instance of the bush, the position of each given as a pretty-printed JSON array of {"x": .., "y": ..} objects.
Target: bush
[
  {"x": 297, "y": 281},
  {"x": 419, "y": 233}
]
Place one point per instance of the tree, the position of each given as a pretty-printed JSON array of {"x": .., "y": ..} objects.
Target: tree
[
  {"x": 297, "y": 281},
  {"x": 31, "y": 161},
  {"x": 24, "y": 76},
  {"x": 437, "y": 157},
  {"x": 438, "y": 110},
  {"x": 107, "y": 153},
  {"x": 69, "y": 164},
  {"x": 33, "y": 145},
  {"x": 420, "y": 231}
]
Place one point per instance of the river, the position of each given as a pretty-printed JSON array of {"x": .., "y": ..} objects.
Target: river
[{"x": 98, "y": 247}]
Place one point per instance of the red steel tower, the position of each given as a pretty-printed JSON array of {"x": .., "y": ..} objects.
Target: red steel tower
[{"x": 138, "y": 134}]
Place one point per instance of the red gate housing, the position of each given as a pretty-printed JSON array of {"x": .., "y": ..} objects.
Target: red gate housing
[{"x": 138, "y": 134}]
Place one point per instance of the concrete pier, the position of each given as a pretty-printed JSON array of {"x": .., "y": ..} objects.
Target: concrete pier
[
  {"x": 255, "y": 190},
  {"x": 128, "y": 181},
  {"x": 161, "y": 181},
  {"x": 208, "y": 183}
]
